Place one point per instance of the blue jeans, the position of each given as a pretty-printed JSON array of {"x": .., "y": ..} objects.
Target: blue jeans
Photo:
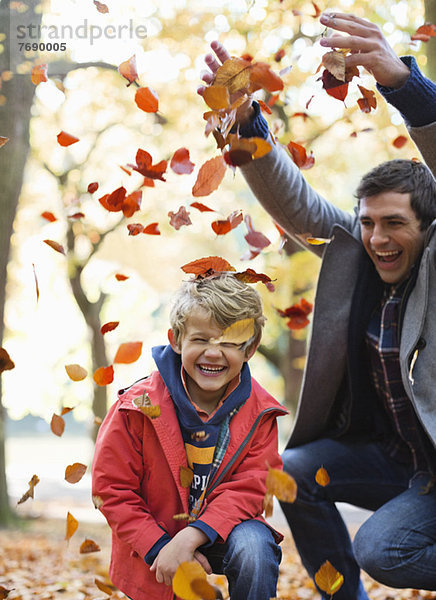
[
  {"x": 396, "y": 545},
  {"x": 249, "y": 559}
]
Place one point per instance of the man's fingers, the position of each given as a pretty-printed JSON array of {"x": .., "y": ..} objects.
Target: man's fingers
[
  {"x": 203, "y": 561},
  {"x": 220, "y": 51}
]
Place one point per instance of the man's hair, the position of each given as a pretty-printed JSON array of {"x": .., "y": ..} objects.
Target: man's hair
[
  {"x": 224, "y": 297},
  {"x": 403, "y": 176}
]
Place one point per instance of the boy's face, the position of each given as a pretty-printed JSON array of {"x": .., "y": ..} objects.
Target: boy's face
[
  {"x": 209, "y": 366},
  {"x": 391, "y": 234}
]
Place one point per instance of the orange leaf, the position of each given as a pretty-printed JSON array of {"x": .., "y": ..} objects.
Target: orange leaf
[
  {"x": 334, "y": 62},
  {"x": 316, "y": 241},
  {"x": 186, "y": 573},
  {"x": 221, "y": 227},
  {"x": 216, "y": 97},
  {"x": 328, "y": 579},
  {"x": 281, "y": 484},
  {"x": 203, "y": 589},
  {"x": 128, "y": 70},
  {"x": 48, "y": 216},
  {"x": 66, "y": 139},
  {"x": 6, "y": 363},
  {"x": 121, "y": 277},
  {"x": 66, "y": 410},
  {"x": 322, "y": 477},
  {"x": 180, "y": 162},
  {"x": 3, "y": 140},
  {"x": 209, "y": 176},
  {"x": 89, "y": 546},
  {"x": 151, "y": 229},
  {"x": 57, "y": 425},
  {"x": 425, "y": 32},
  {"x": 250, "y": 276},
  {"x": 113, "y": 202},
  {"x": 110, "y": 326},
  {"x": 268, "y": 504},
  {"x": 75, "y": 472},
  {"x": 39, "y": 74},
  {"x": 36, "y": 282},
  {"x": 92, "y": 187},
  {"x": 145, "y": 167},
  {"x": 206, "y": 266},
  {"x": 299, "y": 156},
  {"x": 297, "y": 314},
  {"x": 179, "y": 218},
  {"x": 104, "y": 375},
  {"x": 262, "y": 76},
  {"x": 75, "y": 372},
  {"x": 368, "y": 100},
  {"x": 184, "y": 517},
  {"x": 147, "y": 99},
  {"x": 186, "y": 476},
  {"x": 201, "y": 207},
  {"x": 400, "y": 141},
  {"x": 102, "y": 8},
  {"x": 135, "y": 228},
  {"x": 4, "y": 593},
  {"x": 128, "y": 352},
  {"x": 72, "y": 525},
  {"x": 30, "y": 492},
  {"x": 103, "y": 587},
  {"x": 56, "y": 246}
]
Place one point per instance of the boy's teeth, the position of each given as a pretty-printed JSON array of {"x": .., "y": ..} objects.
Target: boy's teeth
[{"x": 211, "y": 369}]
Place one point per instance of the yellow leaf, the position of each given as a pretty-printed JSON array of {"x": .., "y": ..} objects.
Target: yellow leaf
[
  {"x": 322, "y": 477},
  {"x": 281, "y": 485},
  {"x": 334, "y": 62},
  {"x": 268, "y": 505},
  {"x": 72, "y": 525},
  {"x": 262, "y": 147},
  {"x": 102, "y": 586},
  {"x": 186, "y": 476},
  {"x": 236, "y": 333},
  {"x": 76, "y": 372},
  {"x": 234, "y": 74},
  {"x": 328, "y": 579},
  {"x": 184, "y": 517},
  {"x": 75, "y": 472},
  {"x": 216, "y": 97},
  {"x": 203, "y": 589},
  {"x": 186, "y": 573},
  {"x": 315, "y": 241}
]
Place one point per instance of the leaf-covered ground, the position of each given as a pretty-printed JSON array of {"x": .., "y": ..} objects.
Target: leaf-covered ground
[{"x": 37, "y": 563}]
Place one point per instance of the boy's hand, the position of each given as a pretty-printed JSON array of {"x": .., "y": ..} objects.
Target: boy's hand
[
  {"x": 369, "y": 48},
  {"x": 183, "y": 547},
  {"x": 213, "y": 62}
]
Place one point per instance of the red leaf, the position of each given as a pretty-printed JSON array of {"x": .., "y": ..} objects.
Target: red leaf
[
  {"x": 56, "y": 246},
  {"x": 209, "y": 176},
  {"x": 110, "y": 326},
  {"x": 135, "y": 228},
  {"x": 257, "y": 239},
  {"x": 250, "y": 276},
  {"x": 114, "y": 202},
  {"x": 152, "y": 229},
  {"x": 147, "y": 99},
  {"x": 104, "y": 375},
  {"x": 400, "y": 141},
  {"x": 77, "y": 215},
  {"x": 36, "y": 282},
  {"x": 48, "y": 216},
  {"x": 6, "y": 363},
  {"x": 424, "y": 33},
  {"x": 66, "y": 139},
  {"x": 261, "y": 75},
  {"x": 128, "y": 69},
  {"x": 57, "y": 425},
  {"x": 279, "y": 55},
  {"x": 297, "y": 314},
  {"x": 208, "y": 265},
  {"x": 180, "y": 162},
  {"x": 180, "y": 218},
  {"x": 39, "y": 74},
  {"x": 368, "y": 100},
  {"x": 145, "y": 167},
  {"x": 264, "y": 107},
  {"x": 221, "y": 227},
  {"x": 128, "y": 352},
  {"x": 299, "y": 156},
  {"x": 121, "y": 277},
  {"x": 92, "y": 187},
  {"x": 132, "y": 203},
  {"x": 334, "y": 87},
  {"x": 201, "y": 207}
]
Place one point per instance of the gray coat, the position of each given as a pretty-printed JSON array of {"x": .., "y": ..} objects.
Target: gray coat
[{"x": 284, "y": 193}]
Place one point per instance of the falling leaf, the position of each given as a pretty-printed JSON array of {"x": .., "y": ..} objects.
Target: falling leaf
[
  {"x": 234, "y": 74},
  {"x": 113, "y": 202},
  {"x": 93, "y": 187},
  {"x": 75, "y": 472},
  {"x": 236, "y": 333},
  {"x": 334, "y": 62},
  {"x": 186, "y": 573},
  {"x": 77, "y": 215},
  {"x": 97, "y": 501},
  {"x": 89, "y": 546},
  {"x": 180, "y": 162},
  {"x": 300, "y": 157},
  {"x": 121, "y": 277},
  {"x": 6, "y": 363},
  {"x": 334, "y": 87},
  {"x": 281, "y": 485},
  {"x": 257, "y": 239},
  {"x": 110, "y": 326},
  {"x": 72, "y": 525},
  {"x": 223, "y": 226},
  {"x": 48, "y": 216},
  {"x": 30, "y": 492},
  {"x": 103, "y": 587},
  {"x": 144, "y": 165},
  {"x": 147, "y": 99},
  {"x": 56, "y": 246},
  {"x": 279, "y": 55},
  {"x": 3, "y": 140},
  {"x": 179, "y": 218},
  {"x": 201, "y": 207},
  {"x": 368, "y": 100},
  {"x": 250, "y": 276},
  {"x": 209, "y": 176},
  {"x": 186, "y": 476},
  {"x": 424, "y": 33},
  {"x": 216, "y": 97},
  {"x": 322, "y": 477},
  {"x": 104, "y": 375},
  {"x": 208, "y": 265},
  {"x": 128, "y": 352},
  {"x": 39, "y": 74},
  {"x": 262, "y": 76},
  {"x": 316, "y": 241},
  {"x": 66, "y": 410},
  {"x": 36, "y": 282},
  {"x": 151, "y": 229},
  {"x": 135, "y": 228},
  {"x": 265, "y": 107},
  {"x": 102, "y": 8},
  {"x": 66, "y": 139},
  {"x": 57, "y": 425},
  {"x": 400, "y": 141},
  {"x": 328, "y": 579},
  {"x": 128, "y": 70},
  {"x": 297, "y": 314},
  {"x": 75, "y": 372}
]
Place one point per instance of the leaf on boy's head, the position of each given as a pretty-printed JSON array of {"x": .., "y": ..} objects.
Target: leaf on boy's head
[
  {"x": 236, "y": 333},
  {"x": 207, "y": 266},
  {"x": 188, "y": 572},
  {"x": 328, "y": 579},
  {"x": 281, "y": 485}
]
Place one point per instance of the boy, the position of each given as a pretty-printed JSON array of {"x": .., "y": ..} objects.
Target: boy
[{"x": 217, "y": 425}]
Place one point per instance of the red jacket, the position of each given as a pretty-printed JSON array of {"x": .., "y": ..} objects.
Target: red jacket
[{"x": 136, "y": 473}]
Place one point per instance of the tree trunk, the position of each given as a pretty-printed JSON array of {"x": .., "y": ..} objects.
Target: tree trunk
[{"x": 14, "y": 124}]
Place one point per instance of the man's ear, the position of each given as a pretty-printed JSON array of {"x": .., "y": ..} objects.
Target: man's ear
[
  {"x": 251, "y": 350},
  {"x": 172, "y": 341}
]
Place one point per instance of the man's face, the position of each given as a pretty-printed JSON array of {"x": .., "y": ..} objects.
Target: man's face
[{"x": 391, "y": 234}]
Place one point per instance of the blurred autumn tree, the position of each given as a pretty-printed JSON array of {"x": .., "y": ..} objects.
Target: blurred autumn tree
[{"x": 96, "y": 106}]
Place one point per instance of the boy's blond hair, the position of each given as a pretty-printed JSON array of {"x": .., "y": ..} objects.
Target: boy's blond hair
[{"x": 224, "y": 297}]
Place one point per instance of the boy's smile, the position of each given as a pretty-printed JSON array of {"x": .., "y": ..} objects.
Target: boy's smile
[{"x": 209, "y": 367}]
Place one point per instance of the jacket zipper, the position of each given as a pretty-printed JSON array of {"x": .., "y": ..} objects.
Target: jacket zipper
[{"x": 240, "y": 449}]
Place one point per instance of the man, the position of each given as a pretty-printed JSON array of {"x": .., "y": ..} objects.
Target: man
[{"x": 367, "y": 409}]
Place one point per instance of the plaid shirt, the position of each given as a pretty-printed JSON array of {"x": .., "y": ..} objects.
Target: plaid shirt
[{"x": 407, "y": 440}]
